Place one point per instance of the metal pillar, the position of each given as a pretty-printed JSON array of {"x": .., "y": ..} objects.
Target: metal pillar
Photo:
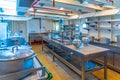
[
  {"x": 99, "y": 28},
  {"x": 83, "y": 68},
  {"x": 112, "y": 31},
  {"x": 105, "y": 67}
]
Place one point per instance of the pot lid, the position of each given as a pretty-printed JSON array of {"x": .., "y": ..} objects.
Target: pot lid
[
  {"x": 21, "y": 47},
  {"x": 16, "y": 54}
]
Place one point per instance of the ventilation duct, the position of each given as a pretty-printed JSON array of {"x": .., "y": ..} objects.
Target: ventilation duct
[{"x": 23, "y": 6}]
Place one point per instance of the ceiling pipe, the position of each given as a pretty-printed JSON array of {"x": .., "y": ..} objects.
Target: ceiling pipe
[
  {"x": 54, "y": 9},
  {"x": 49, "y": 15},
  {"x": 34, "y": 3},
  {"x": 48, "y": 8},
  {"x": 53, "y": 3}
]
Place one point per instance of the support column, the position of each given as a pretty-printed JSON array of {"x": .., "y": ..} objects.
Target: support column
[
  {"x": 98, "y": 24},
  {"x": 88, "y": 29},
  {"x": 112, "y": 26},
  {"x": 89, "y": 32},
  {"x": 40, "y": 24},
  {"x": 83, "y": 68},
  {"x": 105, "y": 67}
]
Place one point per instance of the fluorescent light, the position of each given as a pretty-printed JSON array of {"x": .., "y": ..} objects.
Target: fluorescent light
[
  {"x": 61, "y": 8},
  {"x": 84, "y": 25}
]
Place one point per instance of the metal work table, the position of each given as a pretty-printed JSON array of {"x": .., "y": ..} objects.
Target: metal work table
[{"x": 87, "y": 53}]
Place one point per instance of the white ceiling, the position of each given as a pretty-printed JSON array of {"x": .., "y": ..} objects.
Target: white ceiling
[
  {"x": 78, "y": 8},
  {"x": 9, "y": 7},
  {"x": 74, "y": 5}
]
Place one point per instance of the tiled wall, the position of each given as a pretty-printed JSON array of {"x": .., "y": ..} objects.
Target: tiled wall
[
  {"x": 39, "y": 25},
  {"x": 46, "y": 25},
  {"x": 31, "y": 26},
  {"x": 20, "y": 27}
]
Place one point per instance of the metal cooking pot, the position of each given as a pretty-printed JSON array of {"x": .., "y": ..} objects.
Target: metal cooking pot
[
  {"x": 15, "y": 60},
  {"x": 86, "y": 40},
  {"x": 77, "y": 43}
]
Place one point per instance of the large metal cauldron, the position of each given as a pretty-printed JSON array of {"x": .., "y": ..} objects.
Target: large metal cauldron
[{"x": 15, "y": 60}]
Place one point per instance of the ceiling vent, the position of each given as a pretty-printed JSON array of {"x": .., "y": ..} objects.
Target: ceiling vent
[
  {"x": 83, "y": 1},
  {"x": 23, "y": 6},
  {"x": 41, "y": 4},
  {"x": 25, "y": 3}
]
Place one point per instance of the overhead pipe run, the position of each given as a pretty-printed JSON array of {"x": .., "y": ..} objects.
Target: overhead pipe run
[
  {"x": 48, "y": 8},
  {"x": 54, "y": 9},
  {"x": 76, "y": 3},
  {"x": 34, "y": 3},
  {"x": 53, "y": 3},
  {"x": 93, "y": 14},
  {"x": 51, "y": 15}
]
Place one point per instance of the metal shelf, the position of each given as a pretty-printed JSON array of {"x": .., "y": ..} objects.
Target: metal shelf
[
  {"x": 104, "y": 21},
  {"x": 109, "y": 29}
]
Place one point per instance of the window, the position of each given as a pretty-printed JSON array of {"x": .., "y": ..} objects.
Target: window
[{"x": 56, "y": 26}]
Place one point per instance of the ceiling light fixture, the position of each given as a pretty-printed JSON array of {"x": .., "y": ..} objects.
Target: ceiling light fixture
[{"x": 61, "y": 8}]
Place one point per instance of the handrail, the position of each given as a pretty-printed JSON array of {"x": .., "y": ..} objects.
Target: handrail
[{"x": 50, "y": 76}]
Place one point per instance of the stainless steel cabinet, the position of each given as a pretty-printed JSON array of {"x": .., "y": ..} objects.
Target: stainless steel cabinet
[
  {"x": 113, "y": 61},
  {"x": 117, "y": 61},
  {"x": 113, "y": 56}
]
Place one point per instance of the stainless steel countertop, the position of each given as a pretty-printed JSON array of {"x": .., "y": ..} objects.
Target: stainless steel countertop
[{"x": 86, "y": 50}]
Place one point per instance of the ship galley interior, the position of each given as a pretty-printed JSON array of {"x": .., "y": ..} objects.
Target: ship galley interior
[{"x": 59, "y": 39}]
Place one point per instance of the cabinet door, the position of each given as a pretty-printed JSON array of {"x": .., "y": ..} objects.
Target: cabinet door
[
  {"x": 110, "y": 58},
  {"x": 117, "y": 61}
]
